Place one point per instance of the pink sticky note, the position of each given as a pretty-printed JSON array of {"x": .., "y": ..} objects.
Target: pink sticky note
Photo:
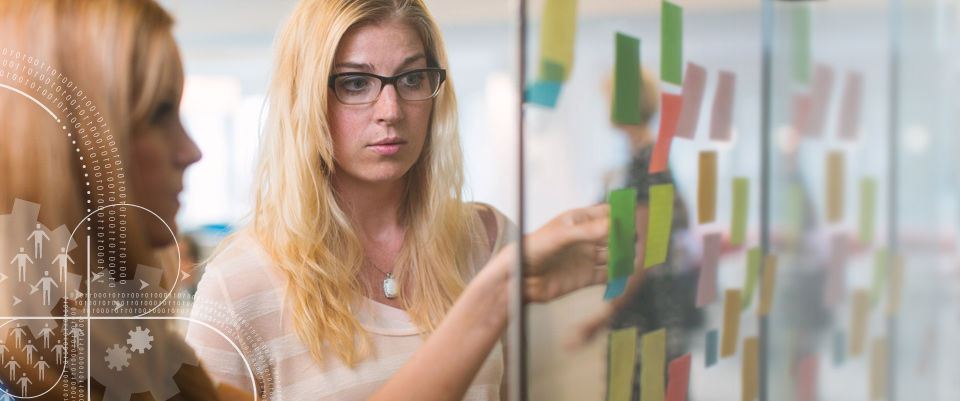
[
  {"x": 670, "y": 105},
  {"x": 807, "y": 379},
  {"x": 679, "y": 379},
  {"x": 801, "y": 112},
  {"x": 693, "y": 82},
  {"x": 721, "y": 119},
  {"x": 849, "y": 125},
  {"x": 707, "y": 287},
  {"x": 820, "y": 99},
  {"x": 836, "y": 271}
]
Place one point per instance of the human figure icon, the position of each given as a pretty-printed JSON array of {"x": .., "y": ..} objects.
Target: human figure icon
[
  {"x": 29, "y": 349},
  {"x": 46, "y": 333},
  {"x": 76, "y": 333},
  {"x": 3, "y": 351},
  {"x": 45, "y": 283},
  {"x": 42, "y": 366},
  {"x": 21, "y": 260},
  {"x": 38, "y": 235},
  {"x": 13, "y": 365},
  {"x": 63, "y": 258},
  {"x": 18, "y": 333},
  {"x": 24, "y": 382},
  {"x": 60, "y": 350}
]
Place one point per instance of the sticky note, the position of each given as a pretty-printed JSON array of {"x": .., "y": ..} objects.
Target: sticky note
[
  {"x": 820, "y": 99},
  {"x": 670, "y": 105},
  {"x": 738, "y": 219},
  {"x": 622, "y": 237},
  {"x": 848, "y": 127},
  {"x": 623, "y": 358},
  {"x": 801, "y": 106},
  {"x": 679, "y": 376},
  {"x": 707, "y": 188},
  {"x": 749, "y": 372},
  {"x": 769, "y": 285},
  {"x": 626, "y": 81},
  {"x": 731, "y": 323},
  {"x": 753, "y": 271},
  {"x": 557, "y": 32},
  {"x": 868, "y": 209},
  {"x": 858, "y": 321},
  {"x": 659, "y": 224},
  {"x": 881, "y": 268},
  {"x": 694, "y": 82},
  {"x": 615, "y": 288},
  {"x": 836, "y": 271},
  {"x": 795, "y": 209},
  {"x": 721, "y": 117},
  {"x": 707, "y": 286},
  {"x": 671, "y": 47},
  {"x": 654, "y": 360},
  {"x": 878, "y": 369},
  {"x": 801, "y": 43},
  {"x": 834, "y": 179},
  {"x": 839, "y": 348},
  {"x": 806, "y": 386},
  {"x": 712, "y": 341},
  {"x": 543, "y": 93},
  {"x": 896, "y": 286}
]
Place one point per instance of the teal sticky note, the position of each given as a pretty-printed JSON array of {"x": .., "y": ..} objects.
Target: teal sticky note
[
  {"x": 802, "y": 16},
  {"x": 659, "y": 224},
  {"x": 713, "y": 339},
  {"x": 544, "y": 93},
  {"x": 671, "y": 48},
  {"x": 622, "y": 237},
  {"x": 753, "y": 271},
  {"x": 626, "y": 81},
  {"x": 738, "y": 221},
  {"x": 615, "y": 288},
  {"x": 839, "y": 348}
]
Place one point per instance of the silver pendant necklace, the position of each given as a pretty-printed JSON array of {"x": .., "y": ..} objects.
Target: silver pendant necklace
[{"x": 390, "y": 286}]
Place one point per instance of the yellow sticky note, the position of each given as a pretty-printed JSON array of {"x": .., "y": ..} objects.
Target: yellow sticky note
[
  {"x": 878, "y": 369},
  {"x": 768, "y": 286},
  {"x": 557, "y": 33},
  {"x": 659, "y": 224},
  {"x": 707, "y": 188},
  {"x": 834, "y": 179},
  {"x": 623, "y": 358},
  {"x": 858, "y": 321},
  {"x": 731, "y": 323},
  {"x": 749, "y": 371},
  {"x": 896, "y": 286},
  {"x": 654, "y": 354}
]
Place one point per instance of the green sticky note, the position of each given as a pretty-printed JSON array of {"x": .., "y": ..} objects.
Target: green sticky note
[
  {"x": 659, "y": 224},
  {"x": 671, "y": 47},
  {"x": 802, "y": 16},
  {"x": 652, "y": 364},
  {"x": 738, "y": 222},
  {"x": 880, "y": 269},
  {"x": 753, "y": 271},
  {"x": 557, "y": 33},
  {"x": 868, "y": 209},
  {"x": 626, "y": 81},
  {"x": 622, "y": 237},
  {"x": 623, "y": 358}
]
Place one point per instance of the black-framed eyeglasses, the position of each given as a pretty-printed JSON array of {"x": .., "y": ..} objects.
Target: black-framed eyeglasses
[{"x": 362, "y": 87}]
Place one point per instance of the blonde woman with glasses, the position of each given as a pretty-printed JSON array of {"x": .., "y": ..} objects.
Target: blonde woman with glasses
[{"x": 363, "y": 274}]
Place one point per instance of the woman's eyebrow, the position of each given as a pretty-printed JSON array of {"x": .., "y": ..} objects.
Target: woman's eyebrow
[{"x": 367, "y": 67}]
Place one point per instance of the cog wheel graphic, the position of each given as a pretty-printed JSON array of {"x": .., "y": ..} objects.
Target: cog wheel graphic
[
  {"x": 117, "y": 357},
  {"x": 140, "y": 340}
]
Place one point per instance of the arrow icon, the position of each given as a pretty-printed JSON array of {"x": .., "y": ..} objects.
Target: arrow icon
[
  {"x": 78, "y": 294},
  {"x": 96, "y": 276},
  {"x": 143, "y": 284},
  {"x": 2, "y": 277},
  {"x": 185, "y": 275},
  {"x": 118, "y": 305},
  {"x": 33, "y": 289},
  {"x": 16, "y": 301}
]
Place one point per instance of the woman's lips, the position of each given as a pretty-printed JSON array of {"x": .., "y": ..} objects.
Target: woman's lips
[{"x": 387, "y": 149}]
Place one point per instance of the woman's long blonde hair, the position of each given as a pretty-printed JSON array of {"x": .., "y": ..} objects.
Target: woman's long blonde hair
[{"x": 297, "y": 217}]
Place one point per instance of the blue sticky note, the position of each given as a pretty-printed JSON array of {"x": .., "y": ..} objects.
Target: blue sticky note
[
  {"x": 544, "y": 93},
  {"x": 839, "y": 348},
  {"x": 713, "y": 337},
  {"x": 615, "y": 288}
]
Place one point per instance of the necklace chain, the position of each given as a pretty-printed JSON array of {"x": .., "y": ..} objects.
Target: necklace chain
[{"x": 378, "y": 268}]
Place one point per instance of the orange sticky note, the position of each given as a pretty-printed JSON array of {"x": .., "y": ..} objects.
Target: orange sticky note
[
  {"x": 896, "y": 287},
  {"x": 707, "y": 188},
  {"x": 749, "y": 370},
  {"x": 670, "y": 106},
  {"x": 731, "y": 323},
  {"x": 768, "y": 285},
  {"x": 679, "y": 379},
  {"x": 878, "y": 369},
  {"x": 858, "y": 321},
  {"x": 835, "y": 178}
]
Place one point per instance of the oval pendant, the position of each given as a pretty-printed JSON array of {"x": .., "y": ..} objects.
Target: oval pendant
[{"x": 390, "y": 288}]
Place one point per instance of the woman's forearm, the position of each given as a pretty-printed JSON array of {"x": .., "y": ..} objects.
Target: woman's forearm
[{"x": 444, "y": 367}]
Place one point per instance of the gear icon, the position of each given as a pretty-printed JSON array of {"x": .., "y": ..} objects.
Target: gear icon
[
  {"x": 117, "y": 357},
  {"x": 140, "y": 340}
]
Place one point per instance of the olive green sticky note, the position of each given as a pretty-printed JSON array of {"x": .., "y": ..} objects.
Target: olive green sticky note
[
  {"x": 738, "y": 221},
  {"x": 707, "y": 188},
  {"x": 731, "y": 323},
  {"x": 753, "y": 271},
  {"x": 557, "y": 33},
  {"x": 659, "y": 224},
  {"x": 626, "y": 81},
  {"x": 868, "y": 209},
  {"x": 653, "y": 362},
  {"x": 881, "y": 267},
  {"x": 858, "y": 321},
  {"x": 749, "y": 370},
  {"x": 671, "y": 47},
  {"x": 835, "y": 174},
  {"x": 622, "y": 237},
  {"x": 802, "y": 17},
  {"x": 623, "y": 357}
]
